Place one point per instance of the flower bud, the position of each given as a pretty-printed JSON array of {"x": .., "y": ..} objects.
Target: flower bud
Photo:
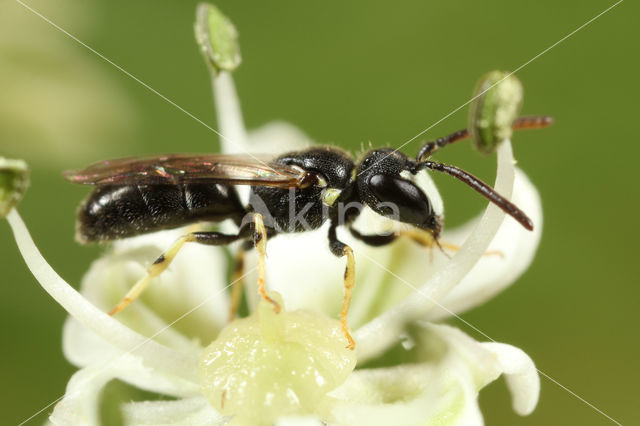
[
  {"x": 497, "y": 102},
  {"x": 218, "y": 38},
  {"x": 14, "y": 180}
]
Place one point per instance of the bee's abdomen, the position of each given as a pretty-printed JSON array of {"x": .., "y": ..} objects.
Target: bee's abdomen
[{"x": 114, "y": 212}]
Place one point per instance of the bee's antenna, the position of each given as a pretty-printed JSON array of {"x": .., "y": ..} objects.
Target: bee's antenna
[
  {"x": 485, "y": 190},
  {"x": 522, "y": 123}
]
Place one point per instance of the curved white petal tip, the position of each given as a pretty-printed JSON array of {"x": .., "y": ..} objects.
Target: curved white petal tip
[{"x": 521, "y": 376}]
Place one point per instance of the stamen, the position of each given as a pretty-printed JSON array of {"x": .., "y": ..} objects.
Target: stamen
[
  {"x": 217, "y": 38},
  {"x": 116, "y": 333}
]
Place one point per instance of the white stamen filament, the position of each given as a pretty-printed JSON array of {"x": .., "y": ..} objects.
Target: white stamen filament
[
  {"x": 229, "y": 114},
  {"x": 116, "y": 333}
]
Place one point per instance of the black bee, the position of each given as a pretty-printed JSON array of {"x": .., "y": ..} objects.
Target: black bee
[{"x": 294, "y": 192}]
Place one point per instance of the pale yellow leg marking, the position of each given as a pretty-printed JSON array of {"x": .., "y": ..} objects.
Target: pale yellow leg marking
[
  {"x": 159, "y": 266},
  {"x": 425, "y": 239},
  {"x": 236, "y": 289},
  {"x": 454, "y": 247},
  {"x": 260, "y": 241},
  {"x": 349, "y": 283}
]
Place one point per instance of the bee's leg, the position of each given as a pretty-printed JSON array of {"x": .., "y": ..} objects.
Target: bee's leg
[
  {"x": 163, "y": 261},
  {"x": 340, "y": 249},
  {"x": 260, "y": 243},
  {"x": 455, "y": 247},
  {"x": 424, "y": 238},
  {"x": 374, "y": 240}
]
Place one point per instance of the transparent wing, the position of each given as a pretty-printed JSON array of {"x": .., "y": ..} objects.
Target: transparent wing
[{"x": 174, "y": 169}]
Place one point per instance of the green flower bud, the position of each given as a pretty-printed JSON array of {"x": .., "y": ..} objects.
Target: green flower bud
[
  {"x": 217, "y": 38},
  {"x": 493, "y": 111},
  {"x": 14, "y": 180}
]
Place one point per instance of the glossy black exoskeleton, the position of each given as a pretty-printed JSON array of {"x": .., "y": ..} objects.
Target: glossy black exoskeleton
[{"x": 295, "y": 192}]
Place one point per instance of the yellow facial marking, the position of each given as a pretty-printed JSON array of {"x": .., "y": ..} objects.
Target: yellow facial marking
[{"x": 330, "y": 195}]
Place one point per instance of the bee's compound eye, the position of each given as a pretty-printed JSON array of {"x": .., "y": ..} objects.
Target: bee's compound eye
[{"x": 400, "y": 200}]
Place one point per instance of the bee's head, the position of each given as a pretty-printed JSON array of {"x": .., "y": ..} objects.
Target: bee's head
[{"x": 387, "y": 184}]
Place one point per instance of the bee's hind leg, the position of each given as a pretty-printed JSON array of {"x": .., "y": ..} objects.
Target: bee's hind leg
[
  {"x": 424, "y": 238},
  {"x": 165, "y": 259}
]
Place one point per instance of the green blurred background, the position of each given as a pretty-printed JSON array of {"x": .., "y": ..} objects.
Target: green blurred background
[{"x": 348, "y": 73}]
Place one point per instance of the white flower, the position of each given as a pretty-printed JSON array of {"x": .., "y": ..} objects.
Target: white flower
[{"x": 410, "y": 371}]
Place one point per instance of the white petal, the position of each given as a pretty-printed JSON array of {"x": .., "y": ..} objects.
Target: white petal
[
  {"x": 83, "y": 347},
  {"x": 406, "y": 395},
  {"x": 374, "y": 337},
  {"x": 521, "y": 376},
  {"x": 493, "y": 273},
  {"x": 460, "y": 346},
  {"x": 299, "y": 421},
  {"x": 130, "y": 369},
  {"x": 80, "y": 405},
  {"x": 288, "y": 258},
  {"x": 302, "y": 268},
  {"x": 442, "y": 388},
  {"x": 195, "y": 282},
  {"x": 154, "y": 354},
  {"x": 182, "y": 412},
  {"x": 278, "y": 137}
]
